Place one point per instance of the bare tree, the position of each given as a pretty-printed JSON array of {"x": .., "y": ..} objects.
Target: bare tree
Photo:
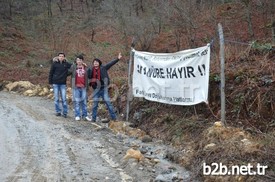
[
  {"x": 72, "y": 4},
  {"x": 138, "y": 7},
  {"x": 10, "y": 7},
  {"x": 49, "y": 8},
  {"x": 178, "y": 38},
  {"x": 60, "y": 5},
  {"x": 136, "y": 18},
  {"x": 248, "y": 10},
  {"x": 6, "y": 8},
  {"x": 184, "y": 21},
  {"x": 91, "y": 19},
  {"x": 82, "y": 6},
  {"x": 87, "y": 5},
  {"x": 273, "y": 22}
]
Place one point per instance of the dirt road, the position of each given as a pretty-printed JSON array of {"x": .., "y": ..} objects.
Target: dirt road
[{"x": 35, "y": 145}]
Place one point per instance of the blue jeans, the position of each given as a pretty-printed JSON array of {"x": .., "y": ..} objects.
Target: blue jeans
[
  {"x": 102, "y": 92},
  {"x": 60, "y": 89},
  {"x": 80, "y": 101}
]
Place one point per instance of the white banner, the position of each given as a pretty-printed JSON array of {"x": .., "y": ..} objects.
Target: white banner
[{"x": 179, "y": 78}]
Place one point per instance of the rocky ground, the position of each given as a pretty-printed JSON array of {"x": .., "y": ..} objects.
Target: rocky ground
[{"x": 36, "y": 145}]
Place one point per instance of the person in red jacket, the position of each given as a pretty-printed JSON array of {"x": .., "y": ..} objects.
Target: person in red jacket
[
  {"x": 79, "y": 82},
  {"x": 100, "y": 81}
]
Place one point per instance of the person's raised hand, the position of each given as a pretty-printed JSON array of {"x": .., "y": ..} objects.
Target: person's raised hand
[{"x": 119, "y": 55}]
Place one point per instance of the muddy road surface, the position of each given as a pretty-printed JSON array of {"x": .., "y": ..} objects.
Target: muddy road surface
[{"x": 36, "y": 146}]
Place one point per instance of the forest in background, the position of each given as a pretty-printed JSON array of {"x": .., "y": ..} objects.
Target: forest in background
[
  {"x": 33, "y": 31},
  {"x": 157, "y": 25}
]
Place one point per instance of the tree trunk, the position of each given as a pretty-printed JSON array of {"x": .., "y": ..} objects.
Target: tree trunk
[
  {"x": 273, "y": 22},
  {"x": 49, "y": 4},
  {"x": 248, "y": 9},
  {"x": 249, "y": 20},
  {"x": 93, "y": 35},
  {"x": 273, "y": 33},
  {"x": 88, "y": 7},
  {"x": 60, "y": 5},
  {"x": 10, "y": 7},
  {"x": 72, "y": 4},
  {"x": 141, "y": 5},
  {"x": 178, "y": 39},
  {"x": 82, "y": 7}
]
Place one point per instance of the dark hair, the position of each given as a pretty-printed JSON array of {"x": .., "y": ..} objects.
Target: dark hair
[
  {"x": 61, "y": 53},
  {"x": 97, "y": 60},
  {"x": 80, "y": 57}
]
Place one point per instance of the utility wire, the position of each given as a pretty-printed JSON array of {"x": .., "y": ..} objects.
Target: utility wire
[
  {"x": 237, "y": 42},
  {"x": 243, "y": 43}
]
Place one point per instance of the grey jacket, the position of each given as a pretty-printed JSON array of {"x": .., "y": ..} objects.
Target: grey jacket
[{"x": 73, "y": 73}]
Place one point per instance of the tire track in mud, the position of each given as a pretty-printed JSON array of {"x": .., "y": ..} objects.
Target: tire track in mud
[
  {"x": 31, "y": 111},
  {"x": 29, "y": 147}
]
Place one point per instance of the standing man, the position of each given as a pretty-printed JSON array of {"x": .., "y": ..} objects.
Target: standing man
[
  {"x": 57, "y": 78},
  {"x": 99, "y": 82},
  {"x": 80, "y": 87}
]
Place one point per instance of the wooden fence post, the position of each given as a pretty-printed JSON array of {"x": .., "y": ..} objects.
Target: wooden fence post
[
  {"x": 129, "y": 94},
  {"x": 222, "y": 74}
]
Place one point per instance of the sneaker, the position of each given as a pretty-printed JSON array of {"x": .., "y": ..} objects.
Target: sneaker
[
  {"x": 58, "y": 114},
  {"x": 77, "y": 118},
  {"x": 65, "y": 115},
  {"x": 87, "y": 118},
  {"x": 105, "y": 120}
]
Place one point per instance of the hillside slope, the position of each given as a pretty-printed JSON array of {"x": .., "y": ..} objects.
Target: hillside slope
[{"x": 27, "y": 46}]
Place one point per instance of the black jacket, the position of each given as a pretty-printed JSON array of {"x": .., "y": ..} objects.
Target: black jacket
[
  {"x": 59, "y": 72},
  {"x": 104, "y": 77}
]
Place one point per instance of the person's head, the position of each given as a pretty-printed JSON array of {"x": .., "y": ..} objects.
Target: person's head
[
  {"x": 61, "y": 56},
  {"x": 97, "y": 62},
  {"x": 79, "y": 60}
]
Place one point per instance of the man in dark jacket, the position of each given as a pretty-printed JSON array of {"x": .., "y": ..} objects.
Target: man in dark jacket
[
  {"x": 58, "y": 78},
  {"x": 99, "y": 81}
]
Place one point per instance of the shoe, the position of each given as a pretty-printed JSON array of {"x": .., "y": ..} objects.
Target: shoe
[
  {"x": 58, "y": 114},
  {"x": 65, "y": 115},
  {"x": 87, "y": 118},
  {"x": 77, "y": 118},
  {"x": 105, "y": 120}
]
